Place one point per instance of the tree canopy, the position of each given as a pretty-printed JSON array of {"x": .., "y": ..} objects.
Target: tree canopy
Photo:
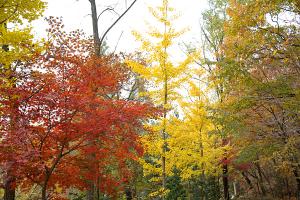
[{"x": 217, "y": 119}]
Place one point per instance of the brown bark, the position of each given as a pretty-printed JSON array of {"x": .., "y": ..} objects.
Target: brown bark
[
  {"x": 296, "y": 174},
  {"x": 9, "y": 189},
  {"x": 98, "y": 41},
  {"x": 95, "y": 28},
  {"x": 260, "y": 179},
  {"x": 44, "y": 192},
  {"x": 90, "y": 192},
  {"x": 49, "y": 171},
  {"x": 225, "y": 181},
  {"x": 248, "y": 181},
  {"x": 128, "y": 193}
]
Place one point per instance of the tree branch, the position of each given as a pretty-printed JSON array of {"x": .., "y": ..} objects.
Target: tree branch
[
  {"x": 115, "y": 22},
  {"x": 107, "y": 9}
]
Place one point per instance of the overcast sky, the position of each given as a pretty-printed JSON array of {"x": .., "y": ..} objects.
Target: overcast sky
[{"x": 76, "y": 15}]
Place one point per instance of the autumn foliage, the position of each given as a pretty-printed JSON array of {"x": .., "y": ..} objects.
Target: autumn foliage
[
  {"x": 219, "y": 120},
  {"x": 59, "y": 117}
]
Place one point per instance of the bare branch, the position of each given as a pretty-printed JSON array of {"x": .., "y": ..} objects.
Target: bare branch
[
  {"x": 118, "y": 41},
  {"x": 107, "y": 9},
  {"x": 113, "y": 24}
]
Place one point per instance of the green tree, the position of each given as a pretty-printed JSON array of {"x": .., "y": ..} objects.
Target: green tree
[
  {"x": 212, "y": 62},
  {"x": 262, "y": 56}
]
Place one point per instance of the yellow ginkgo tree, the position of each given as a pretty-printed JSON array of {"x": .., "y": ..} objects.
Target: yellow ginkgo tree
[
  {"x": 194, "y": 150},
  {"x": 164, "y": 78}
]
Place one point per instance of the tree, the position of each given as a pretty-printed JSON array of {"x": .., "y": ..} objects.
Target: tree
[
  {"x": 195, "y": 149},
  {"x": 164, "y": 78},
  {"x": 100, "y": 47},
  {"x": 17, "y": 47},
  {"x": 63, "y": 107},
  {"x": 212, "y": 61},
  {"x": 261, "y": 47}
]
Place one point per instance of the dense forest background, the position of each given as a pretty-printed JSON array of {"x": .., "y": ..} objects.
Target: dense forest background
[{"x": 218, "y": 120}]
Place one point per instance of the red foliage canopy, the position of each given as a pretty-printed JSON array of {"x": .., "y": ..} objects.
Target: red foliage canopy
[{"x": 60, "y": 121}]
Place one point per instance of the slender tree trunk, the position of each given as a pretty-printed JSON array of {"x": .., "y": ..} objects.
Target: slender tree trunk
[
  {"x": 202, "y": 195},
  {"x": 164, "y": 148},
  {"x": 235, "y": 189},
  {"x": 225, "y": 172},
  {"x": 218, "y": 192},
  {"x": 90, "y": 192},
  {"x": 93, "y": 192},
  {"x": 44, "y": 193},
  {"x": 10, "y": 181},
  {"x": 287, "y": 185},
  {"x": 9, "y": 189},
  {"x": 296, "y": 174},
  {"x": 95, "y": 28},
  {"x": 163, "y": 164},
  {"x": 189, "y": 193},
  {"x": 225, "y": 181},
  {"x": 98, "y": 187},
  {"x": 270, "y": 188},
  {"x": 44, "y": 187},
  {"x": 128, "y": 193},
  {"x": 248, "y": 181},
  {"x": 260, "y": 179}
]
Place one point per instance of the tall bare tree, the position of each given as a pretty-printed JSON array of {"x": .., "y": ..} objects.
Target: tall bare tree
[{"x": 99, "y": 40}]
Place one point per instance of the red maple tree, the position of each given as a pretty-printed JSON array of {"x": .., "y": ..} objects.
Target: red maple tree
[{"x": 64, "y": 128}]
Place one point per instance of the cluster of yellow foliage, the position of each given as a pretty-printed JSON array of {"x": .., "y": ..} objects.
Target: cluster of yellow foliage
[
  {"x": 187, "y": 144},
  {"x": 13, "y": 15}
]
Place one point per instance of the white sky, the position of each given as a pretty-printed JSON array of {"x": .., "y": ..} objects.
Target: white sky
[{"x": 75, "y": 14}]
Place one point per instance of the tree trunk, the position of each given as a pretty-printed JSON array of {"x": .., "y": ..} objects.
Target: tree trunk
[
  {"x": 98, "y": 192},
  {"x": 260, "y": 179},
  {"x": 44, "y": 187},
  {"x": 225, "y": 173},
  {"x": 9, "y": 185},
  {"x": 298, "y": 183},
  {"x": 91, "y": 192},
  {"x": 248, "y": 181},
  {"x": 44, "y": 193},
  {"x": 95, "y": 28},
  {"x": 9, "y": 189},
  {"x": 225, "y": 181},
  {"x": 128, "y": 193},
  {"x": 166, "y": 89},
  {"x": 235, "y": 189}
]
